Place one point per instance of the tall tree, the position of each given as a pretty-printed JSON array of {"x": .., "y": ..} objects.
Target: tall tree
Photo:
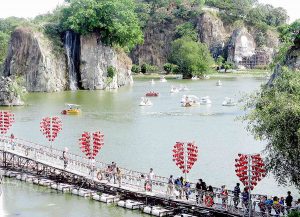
[
  {"x": 115, "y": 20},
  {"x": 275, "y": 118},
  {"x": 192, "y": 58}
]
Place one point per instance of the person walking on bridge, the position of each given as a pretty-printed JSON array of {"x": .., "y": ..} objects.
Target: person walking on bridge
[
  {"x": 65, "y": 157},
  {"x": 236, "y": 195},
  {"x": 170, "y": 188}
]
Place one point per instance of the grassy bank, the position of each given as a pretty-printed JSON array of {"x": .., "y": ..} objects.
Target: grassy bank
[{"x": 230, "y": 74}]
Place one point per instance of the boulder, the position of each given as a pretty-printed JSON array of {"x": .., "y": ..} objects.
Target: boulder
[
  {"x": 9, "y": 96},
  {"x": 32, "y": 56}
]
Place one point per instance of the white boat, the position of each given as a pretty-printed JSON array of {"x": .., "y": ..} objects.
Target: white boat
[
  {"x": 152, "y": 82},
  {"x": 189, "y": 100},
  {"x": 174, "y": 90},
  {"x": 205, "y": 100},
  {"x": 195, "y": 78},
  {"x": 162, "y": 79},
  {"x": 219, "y": 83},
  {"x": 229, "y": 102},
  {"x": 145, "y": 102}
]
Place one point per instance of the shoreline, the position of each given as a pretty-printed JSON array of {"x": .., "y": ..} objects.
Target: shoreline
[{"x": 235, "y": 74}]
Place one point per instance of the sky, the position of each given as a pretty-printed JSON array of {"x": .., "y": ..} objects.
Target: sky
[{"x": 31, "y": 8}]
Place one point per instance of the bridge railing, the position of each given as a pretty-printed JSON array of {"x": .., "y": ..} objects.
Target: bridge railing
[{"x": 134, "y": 180}]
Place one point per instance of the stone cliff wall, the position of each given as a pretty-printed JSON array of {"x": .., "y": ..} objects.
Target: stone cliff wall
[
  {"x": 96, "y": 58},
  {"x": 237, "y": 45},
  {"x": 211, "y": 32},
  {"x": 31, "y": 56}
]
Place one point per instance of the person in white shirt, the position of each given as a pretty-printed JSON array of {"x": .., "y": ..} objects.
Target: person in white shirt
[{"x": 151, "y": 177}]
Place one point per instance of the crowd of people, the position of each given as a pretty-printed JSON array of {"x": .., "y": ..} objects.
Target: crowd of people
[{"x": 180, "y": 188}]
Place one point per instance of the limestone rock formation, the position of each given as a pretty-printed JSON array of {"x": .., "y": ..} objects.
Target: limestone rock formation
[
  {"x": 9, "y": 96},
  {"x": 31, "y": 55},
  {"x": 244, "y": 53},
  {"x": 95, "y": 59},
  {"x": 212, "y": 32},
  {"x": 241, "y": 46}
]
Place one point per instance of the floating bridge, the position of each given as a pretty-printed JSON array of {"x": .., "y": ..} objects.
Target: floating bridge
[{"x": 45, "y": 166}]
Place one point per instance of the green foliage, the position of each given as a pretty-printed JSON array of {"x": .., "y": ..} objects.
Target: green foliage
[
  {"x": 186, "y": 30},
  {"x": 294, "y": 214},
  {"x": 220, "y": 61},
  {"x": 228, "y": 65},
  {"x": 16, "y": 86},
  {"x": 7, "y": 26},
  {"x": 115, "y": 20},
  {"x": 143, "y": 11},
  {"x": 4, "y": 39},
  {"x": 288, "y": 33},
  {"x": 170, "y": 68},
  {"x": 192, "y": 58},
  {"x": 147, "y": 68},
  {"x": 260, "y": 39},
  {"x": 274, "y": 116},
  {"x": 136, "y": 69},
  {"x": 111, "y": 71}
]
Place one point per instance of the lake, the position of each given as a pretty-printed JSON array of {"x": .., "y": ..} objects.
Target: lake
[{"x": 139, "y": 138}]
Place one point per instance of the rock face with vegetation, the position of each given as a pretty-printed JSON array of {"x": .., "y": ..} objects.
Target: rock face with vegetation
[
  {"x": 31, "y": 55},
  {"x": 211, "y": 31},
  {"x": 95, "y": 61},
  {"x": 10, "y": 92},
  {"x": 293, "y": 55}
]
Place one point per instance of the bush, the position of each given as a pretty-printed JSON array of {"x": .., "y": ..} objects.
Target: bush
[
  {"x": 147, "y": 68},
  {"x": 170, "y": 68},
  {"x": 111, "y": 71},
  {"x": 136, "y": 69},
  {"x": 294, "y": 214}
]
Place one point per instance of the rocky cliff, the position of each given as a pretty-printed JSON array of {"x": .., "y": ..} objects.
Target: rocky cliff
[
  {"x": 82, "y": 63},
  {"x": 236, "y": 45},
  {"x": 293, "y": 55},
  {"x": 31, "y": 56},
  {"x": 95, "y": 59},
  {"x": 212, "y": 32}
]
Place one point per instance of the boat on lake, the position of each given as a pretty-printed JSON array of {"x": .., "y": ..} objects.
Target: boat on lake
[
  {"x": 162, "y": 79},
  {"x": 205, "y": 100},
  {"x": 72, "y": 109},
  {"x": 152, "y": 93},
  {"x": 145, "y": 102},
  {"x": 189, "y": 100},
  {"x": 219, "y": 83},
  {"x": 229, "y": 102}
]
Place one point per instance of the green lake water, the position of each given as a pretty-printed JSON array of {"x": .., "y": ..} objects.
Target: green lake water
[{"x": 139, "y": 138}]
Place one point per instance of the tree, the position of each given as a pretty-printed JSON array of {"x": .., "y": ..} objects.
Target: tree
[
  {"x": 186, "y": 30},
  {"x": 136, "y": 69},
  {"x": 227, "y": 65},
  {"x": 288, "y": 33},
  {"x": 170, "y": 68},
  {"x": 220, "y": 61},
  {"x": 111, "y": 71},
  {"x": 115, "y": 20},
  {"x": 192, "y": 58},
  {"x": 274, "y": 116}
]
